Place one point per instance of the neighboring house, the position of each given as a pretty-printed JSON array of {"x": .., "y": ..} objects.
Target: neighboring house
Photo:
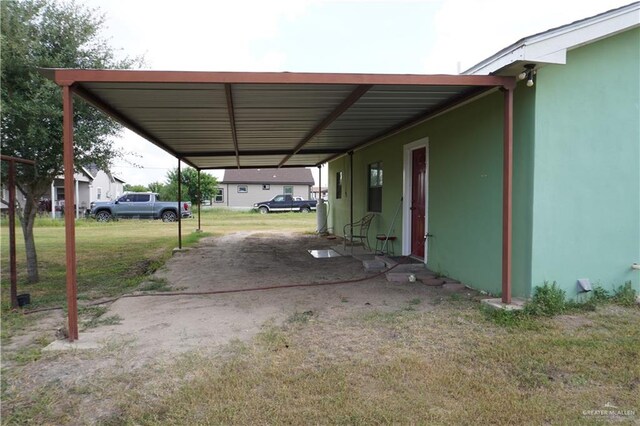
[
  {"x": 242, "y": 188},
  {"x": 92, "y": 184},
  {"x": 105, "y": 186},
  {"x": 5, "y": 197},
  {"x": 82, "y": 185},
  {"x": 576, "y": 167},
  {"x": 315, "y": 193}
]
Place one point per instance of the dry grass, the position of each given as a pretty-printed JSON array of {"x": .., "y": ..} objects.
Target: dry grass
[
  {"x": 447, "y": 365},
  {"x": 425, "y": 363}
]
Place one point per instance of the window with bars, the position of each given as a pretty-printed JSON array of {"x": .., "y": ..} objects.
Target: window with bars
[{"x": 374, "y": 198}]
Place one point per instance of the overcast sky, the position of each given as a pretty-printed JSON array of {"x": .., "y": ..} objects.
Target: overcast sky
[{"x": 404, "y": 37}]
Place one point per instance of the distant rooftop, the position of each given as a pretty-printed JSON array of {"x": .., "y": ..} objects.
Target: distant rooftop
[{"x": 299, "y": 176}]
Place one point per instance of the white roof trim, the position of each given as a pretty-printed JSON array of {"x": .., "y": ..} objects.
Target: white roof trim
[{"x": 550, "y": 47}]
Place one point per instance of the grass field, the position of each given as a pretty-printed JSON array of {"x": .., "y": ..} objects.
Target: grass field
[
  {"x": 115, "y": 257},
  {"x": 433, "y": 361}
]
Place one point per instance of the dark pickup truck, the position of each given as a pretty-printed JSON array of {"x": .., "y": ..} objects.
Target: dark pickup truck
[{"x": 285, "y": 203}]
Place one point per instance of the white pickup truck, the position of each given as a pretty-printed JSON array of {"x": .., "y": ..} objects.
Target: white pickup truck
[{"x": 139, "y": 205}]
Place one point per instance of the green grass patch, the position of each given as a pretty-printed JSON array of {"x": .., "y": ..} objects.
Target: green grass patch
[{"x": 115, "y": 258}]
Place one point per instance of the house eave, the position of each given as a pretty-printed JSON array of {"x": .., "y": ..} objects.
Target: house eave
[{"x": 551, "y": 47}]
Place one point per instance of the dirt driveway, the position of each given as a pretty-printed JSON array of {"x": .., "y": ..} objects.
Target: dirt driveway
[{"x": 158, "y": 326}]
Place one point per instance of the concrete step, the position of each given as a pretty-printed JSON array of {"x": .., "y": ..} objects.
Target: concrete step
[
  {"x": 402, "y": 267},
  {"x": 373, "y": 265}
]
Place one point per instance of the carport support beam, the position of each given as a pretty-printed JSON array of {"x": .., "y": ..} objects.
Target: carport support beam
[
  {"x": 351, "y": 195},
  {"x": 199, "y": 201},
  {"x": 507, "y": 193},
  {"x": 319, "y": 184},
  {"x": 69, "y": 219},
  {"x": 179, "y": 211}
]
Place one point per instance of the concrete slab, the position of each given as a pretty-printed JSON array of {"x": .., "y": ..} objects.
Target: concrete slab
[
  {"x": 351, "y": 251},
  {"x": 373, "y": 265},
  {"x": 65, "y": 345},
  {"x": 410, "y": 267},
  {"x": 387, "y": 260},
  {"x": 363, "y": 257},
  {"x": 496, "y": 303}
]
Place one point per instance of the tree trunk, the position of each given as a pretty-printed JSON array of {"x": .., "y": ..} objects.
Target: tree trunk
[
  {"x": 27, "y": 221},
  {"x": 27, "y": 210}
]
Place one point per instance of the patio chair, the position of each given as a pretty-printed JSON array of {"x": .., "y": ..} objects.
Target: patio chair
[{"x": 358, "y": 230}]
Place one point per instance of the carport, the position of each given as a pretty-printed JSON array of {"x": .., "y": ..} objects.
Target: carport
[{"x": 223, "y": 120}]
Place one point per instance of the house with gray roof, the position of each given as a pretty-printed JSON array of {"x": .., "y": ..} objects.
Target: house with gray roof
[{"x": 241, "y": 188}]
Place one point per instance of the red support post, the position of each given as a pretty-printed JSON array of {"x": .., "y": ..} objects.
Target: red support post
[
  {"x": 199, "y": 200},
  {"x": 11, "y": 183},
  {"x": 12, "y": 234},
  {"x": 507, "y": 193},
  {"x": 69, "y": 219},
  {"x": 179, "y": 207}
]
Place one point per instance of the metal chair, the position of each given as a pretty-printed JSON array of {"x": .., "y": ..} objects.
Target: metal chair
[{"x": 358, "y": 230}]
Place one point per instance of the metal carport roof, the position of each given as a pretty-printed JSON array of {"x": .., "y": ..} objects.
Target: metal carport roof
[
  {"x": 214, "y": 120},
  {"x": 221, "y": 120}
]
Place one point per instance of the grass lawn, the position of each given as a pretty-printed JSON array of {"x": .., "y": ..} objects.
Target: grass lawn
[
  {"x": 448, "y": 365},
  {"x": 440, "y": 360},
  {"x": 116, "y": 257}
]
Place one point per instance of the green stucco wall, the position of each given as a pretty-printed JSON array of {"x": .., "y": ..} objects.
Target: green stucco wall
[
  {"x": 576, "y": 193},
  {"x": 586, "y": 216},
  {"x": 465, "y": 190}
]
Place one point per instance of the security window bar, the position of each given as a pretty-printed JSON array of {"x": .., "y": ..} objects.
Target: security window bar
[{"x": 374, "y": 199}]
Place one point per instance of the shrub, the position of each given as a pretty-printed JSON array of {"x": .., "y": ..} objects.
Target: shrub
[
  {"x": 624, "y": 295},
  {"x": 548, "y": 300}
]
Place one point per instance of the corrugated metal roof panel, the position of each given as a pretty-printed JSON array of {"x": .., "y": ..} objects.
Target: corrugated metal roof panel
[{"x": 283, "y": 113}]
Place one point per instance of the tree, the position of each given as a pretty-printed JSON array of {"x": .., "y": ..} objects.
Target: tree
[
  {"x": 135, "y": 188},
  {"x": 49, "y": 34},
  {"x": 189, "y": 188},
  {"x": 156, "y": 187}
]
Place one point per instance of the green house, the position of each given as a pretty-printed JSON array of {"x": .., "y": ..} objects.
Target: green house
[{"x": 437, "y": 186}]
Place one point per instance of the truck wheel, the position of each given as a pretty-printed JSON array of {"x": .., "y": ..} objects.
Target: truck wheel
[
  {"x": 103, "y": 216},
  {"x": 305, "y": 209},
  {"x": 169, "y": 216},
  {"x": 263, "y": 210}
]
